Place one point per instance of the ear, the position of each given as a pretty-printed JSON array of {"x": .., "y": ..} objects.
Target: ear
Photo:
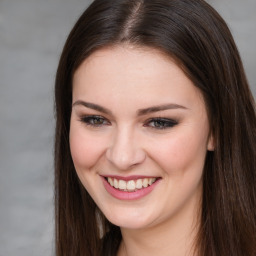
[{"x": 211, "y": 143}]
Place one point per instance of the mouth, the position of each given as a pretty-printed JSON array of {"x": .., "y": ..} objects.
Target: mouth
[
  {"x": 130, "y": 188},
  {"x": 131, "y": 185}
]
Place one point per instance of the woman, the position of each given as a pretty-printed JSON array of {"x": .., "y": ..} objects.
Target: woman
[{"x": 155, "y": 134}]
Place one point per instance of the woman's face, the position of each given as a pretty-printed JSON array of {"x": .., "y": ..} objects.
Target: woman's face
[{"x": 139, "y": 134}]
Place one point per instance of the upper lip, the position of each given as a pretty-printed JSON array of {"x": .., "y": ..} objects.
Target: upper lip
[{"x": 126, "y": 178}]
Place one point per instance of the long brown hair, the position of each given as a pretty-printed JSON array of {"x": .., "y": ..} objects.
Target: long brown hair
[{"x": 192, "y": 33}]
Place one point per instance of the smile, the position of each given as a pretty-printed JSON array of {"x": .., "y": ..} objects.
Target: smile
[
  {"x": 130, "y": 185},
  {"x": 129, "y": 188}
]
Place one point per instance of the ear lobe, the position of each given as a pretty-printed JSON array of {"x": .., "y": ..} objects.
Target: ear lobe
[{"x": 210, "y": 143}]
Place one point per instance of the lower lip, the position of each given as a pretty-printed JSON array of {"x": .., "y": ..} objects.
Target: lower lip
[{"x": 125, "y": 195}]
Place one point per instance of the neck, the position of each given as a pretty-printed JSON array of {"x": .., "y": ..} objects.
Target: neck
[{"x": 175, "y": 236}]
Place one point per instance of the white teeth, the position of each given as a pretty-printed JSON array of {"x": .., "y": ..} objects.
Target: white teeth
[
  {"x": 122, "y": 184},
  {"x": 131, "y": 185},
  {"x": 151, "y": 181},
  {"x": 110, "y": 181},
  {"x": 145, "y": 183},
  {"x": 116, "y": 183},
  {"x": 139, "y": 184}
]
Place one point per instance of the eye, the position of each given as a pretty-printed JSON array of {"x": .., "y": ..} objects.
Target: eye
[
  {"x": 95, "y": 121},
  {"x": 161, "y": 123}
]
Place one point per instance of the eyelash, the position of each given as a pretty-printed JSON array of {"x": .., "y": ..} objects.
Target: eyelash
[
  {"x": 90, "y": 121},
  {"x": 159, "y": 123}
]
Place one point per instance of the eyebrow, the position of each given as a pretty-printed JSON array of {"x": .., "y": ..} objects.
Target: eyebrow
[
  {"x": 140, "y": 112},
  {"x": 92, "y": 106},
  {"x": 153, "y": 109}
]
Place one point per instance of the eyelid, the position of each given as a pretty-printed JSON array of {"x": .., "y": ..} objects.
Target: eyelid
[
  {"x": 160, "y": 123},
  {"x": 167, "y": 123},
  {"x": 87, "y": 118}
]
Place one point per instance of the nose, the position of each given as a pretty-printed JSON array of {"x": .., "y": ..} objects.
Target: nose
[{"x": 125, "y": 150}]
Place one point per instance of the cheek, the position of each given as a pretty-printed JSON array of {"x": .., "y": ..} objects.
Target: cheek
[
  {"x": 85, "y": 149},
  {"x": 180, "y": 153}
]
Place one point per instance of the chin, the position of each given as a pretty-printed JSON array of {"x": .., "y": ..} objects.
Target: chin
[
  {"x": 128, "y": 223},
  {"x": 129, "y": 220}
]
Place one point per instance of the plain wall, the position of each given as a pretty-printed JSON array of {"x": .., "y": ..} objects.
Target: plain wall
[{"x": 32, "y": 34}]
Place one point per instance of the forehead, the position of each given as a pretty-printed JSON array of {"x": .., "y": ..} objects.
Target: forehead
[
  {"x": 129, "y": 74},
  {"x": 124, "y": 56},
  {"x": 132, "y": 57}
]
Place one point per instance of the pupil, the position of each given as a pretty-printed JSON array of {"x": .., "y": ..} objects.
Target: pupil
[
  {"x": 159, "y": 123},
  {"x": 98, "y": 120}
]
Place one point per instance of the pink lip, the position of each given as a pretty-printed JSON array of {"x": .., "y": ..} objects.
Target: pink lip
[
  {"x": 134, "y": 177},
  {"x": 125, "y": 195}
]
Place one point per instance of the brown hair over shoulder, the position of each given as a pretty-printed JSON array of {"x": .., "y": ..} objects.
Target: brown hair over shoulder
[{"x": 193, "y": 34}]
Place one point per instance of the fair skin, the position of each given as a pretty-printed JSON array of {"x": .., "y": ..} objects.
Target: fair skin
[{"x": 137, "y": 118}]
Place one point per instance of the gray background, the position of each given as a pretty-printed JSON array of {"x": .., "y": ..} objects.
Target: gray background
[{"x": 32, "y": 33}]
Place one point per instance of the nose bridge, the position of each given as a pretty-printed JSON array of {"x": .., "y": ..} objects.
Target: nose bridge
[{"x": 125, "y": 150}]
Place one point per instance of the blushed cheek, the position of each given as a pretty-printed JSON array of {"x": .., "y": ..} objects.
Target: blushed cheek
[
  {"x": 84, "y": 150},
  {"x": 181, "y": 154}
]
